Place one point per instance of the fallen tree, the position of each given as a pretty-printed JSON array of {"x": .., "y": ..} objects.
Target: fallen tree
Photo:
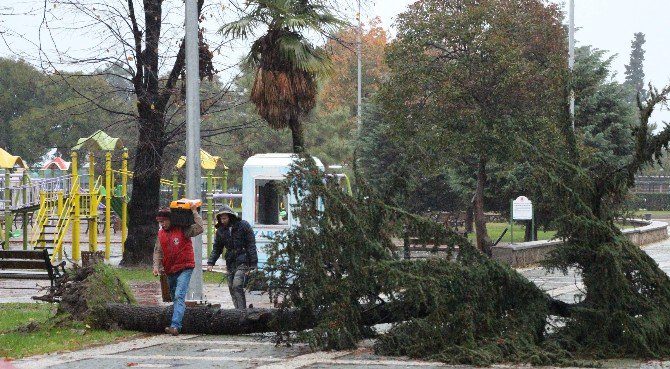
[
  {"x": 207, "y": 320},
  {"x": 212, "y": 320},
  {"x": 338, "y": 274}
]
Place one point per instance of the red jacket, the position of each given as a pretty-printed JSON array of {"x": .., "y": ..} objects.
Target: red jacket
[{"x": 177, "y": 250}]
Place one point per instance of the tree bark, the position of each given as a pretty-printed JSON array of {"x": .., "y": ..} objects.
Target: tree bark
[
  {"x": 529, "y": 235},
  {"x": 469, "y": 219},
  {"x": 144, "y": 203},
  {"x": 483, "y": 241},
  {"x": 5, "y": 136},
  {"x": 297, "y": 135},
  {"x": 152, "y": 104},
  {"x": 207, "y": 320}
]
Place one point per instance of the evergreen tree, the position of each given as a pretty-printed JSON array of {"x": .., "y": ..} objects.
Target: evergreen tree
[
  {"x": 605, "y": 120},
  {"x": 635, "y": 68},
  {"x": 462, "y": 84}
]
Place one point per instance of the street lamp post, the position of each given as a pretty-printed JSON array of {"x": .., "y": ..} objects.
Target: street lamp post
[
  {"x": 193, "y": 179},
  {"x": 571, "y": 60},
  {"x": 359, "y": 78}
]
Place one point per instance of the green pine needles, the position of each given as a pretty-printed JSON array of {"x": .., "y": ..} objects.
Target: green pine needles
[{"x": 341, "y": 265}]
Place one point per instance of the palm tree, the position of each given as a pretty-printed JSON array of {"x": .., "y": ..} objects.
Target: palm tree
[{"x": 287, "y": 65}]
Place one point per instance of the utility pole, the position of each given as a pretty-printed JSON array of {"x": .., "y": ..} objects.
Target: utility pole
[
  {"x": 571, "y": 60},
  {"x": 358, "y": 54},
  {"x": 193, "y": 179}
]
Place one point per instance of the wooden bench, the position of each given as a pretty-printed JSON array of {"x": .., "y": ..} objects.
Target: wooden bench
[{"x": 30, "y": 264}]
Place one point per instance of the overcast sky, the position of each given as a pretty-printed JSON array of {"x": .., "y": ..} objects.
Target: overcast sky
[
  {"x": 603, "y": 24},
  {"x": 606, "y": 25}
]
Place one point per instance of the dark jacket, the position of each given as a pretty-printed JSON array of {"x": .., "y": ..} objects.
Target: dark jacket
[{"x": 240, "y": 243}]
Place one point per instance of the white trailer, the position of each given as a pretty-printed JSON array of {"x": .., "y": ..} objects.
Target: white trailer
[{"x": 263, "y": 205}]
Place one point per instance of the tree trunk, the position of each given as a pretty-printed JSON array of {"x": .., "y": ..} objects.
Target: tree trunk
[
  {"x": 528, "y": 234},
  {"x": 469, "y": 219},
  {"x": 297, "y": 134},
  {"x": 144, "y": 202},
  {"x": 207, "y": 320},
  {"x": 5, "y": 136},
  {"x": 483, "y": 241}
]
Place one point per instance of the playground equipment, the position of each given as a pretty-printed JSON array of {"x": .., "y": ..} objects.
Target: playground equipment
[
  {"x": 59, "y": 205},
  {"x": 19, "y": 196},
  {"x": 77, "y": 199},
  {"x": 209, "y": 163}
]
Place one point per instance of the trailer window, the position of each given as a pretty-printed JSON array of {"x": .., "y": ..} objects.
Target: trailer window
[{"x": 271, "y": 204}]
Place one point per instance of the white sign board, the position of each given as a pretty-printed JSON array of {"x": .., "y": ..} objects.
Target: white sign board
[{"x": 522, "y": 209}]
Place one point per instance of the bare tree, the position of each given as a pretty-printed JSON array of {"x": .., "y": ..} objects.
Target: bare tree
[{"x": 138, "y": 47}]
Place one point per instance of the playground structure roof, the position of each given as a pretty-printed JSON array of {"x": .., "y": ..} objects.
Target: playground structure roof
[
  {"x": 8, "y": 161},
  {"x": 207, "y": 161},
  {"x": 57, "y": 163},
  {"x": 98, "y": 141}
]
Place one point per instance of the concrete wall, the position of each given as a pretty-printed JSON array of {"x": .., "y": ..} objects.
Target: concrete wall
[{"x": 528, "y": 253}]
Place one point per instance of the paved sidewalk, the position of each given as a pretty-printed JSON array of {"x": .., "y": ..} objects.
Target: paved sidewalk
[{"x": 257, "y": 351}]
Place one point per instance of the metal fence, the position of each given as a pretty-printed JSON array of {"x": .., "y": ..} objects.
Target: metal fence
[{"x": 27, "y": 195}]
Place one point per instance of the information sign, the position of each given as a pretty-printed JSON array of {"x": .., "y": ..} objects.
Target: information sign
[{"x": 522, "y": 209}]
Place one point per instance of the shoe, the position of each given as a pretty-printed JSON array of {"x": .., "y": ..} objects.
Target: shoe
[{"x": 172, "y": 330}]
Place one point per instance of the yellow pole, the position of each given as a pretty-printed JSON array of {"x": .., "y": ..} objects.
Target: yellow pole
[
  {"x": 24, "y": 218},
  {"x": 93, "y": 206},
  {"x": 210, "y": 212},
  {"x": 8, "y": 212},
  {"x": 108, "y": 203},
  {"x": 175, "y": 186},
  {"x": 76, "y": 252},
  {"x": 225, "y": 180},
  {"x": 60, "y": 204},
  {"x": 36, "y": 220},
  {"x": 124, "y": 196}
]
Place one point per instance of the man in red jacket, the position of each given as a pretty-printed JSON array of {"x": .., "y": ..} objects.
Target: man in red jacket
[{"x": 174, "y": 257}]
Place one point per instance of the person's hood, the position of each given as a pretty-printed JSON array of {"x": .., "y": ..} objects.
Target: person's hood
[{"x": 225, "y": 209}]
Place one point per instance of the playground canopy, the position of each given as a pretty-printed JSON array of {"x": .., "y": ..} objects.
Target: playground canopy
[
  {"x": 207, "y": 161},
  {"x": 98, "y": 141},
  {"x": 57, "y": 163},
  {"x": 8, "y": 161}
]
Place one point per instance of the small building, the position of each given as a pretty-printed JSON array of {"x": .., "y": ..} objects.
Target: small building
[{"x": 263, "y": 205}]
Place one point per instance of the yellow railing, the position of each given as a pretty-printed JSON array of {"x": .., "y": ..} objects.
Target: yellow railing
[
  {"x": 63, "y": 223},
  {"x": 88, "y": 210},
  {"x": 40, "y": 220},
  {"x": 48, "y": 206},
  {"x": 163, "y": 181}
]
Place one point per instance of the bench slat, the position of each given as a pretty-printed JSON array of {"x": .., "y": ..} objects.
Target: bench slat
[
  {"x": 24, "y": 276},
  {"x": 21, "y": 264},
  {"x": 22, "y": 254}
]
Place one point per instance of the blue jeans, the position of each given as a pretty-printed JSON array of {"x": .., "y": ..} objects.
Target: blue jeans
[{"x": 178, "y": 283}]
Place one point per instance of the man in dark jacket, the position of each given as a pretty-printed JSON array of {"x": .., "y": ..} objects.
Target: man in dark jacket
[{"x": 241, "y": 257}]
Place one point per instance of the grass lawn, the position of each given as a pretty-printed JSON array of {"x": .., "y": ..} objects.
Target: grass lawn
[
  {"x": 496, "y": 229},
  {"x": 19, "y": 339},
  {"x": 42, "y": 336},
  {"x": 145, "y": 275},
  {"x": 654, "y": 213}
]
